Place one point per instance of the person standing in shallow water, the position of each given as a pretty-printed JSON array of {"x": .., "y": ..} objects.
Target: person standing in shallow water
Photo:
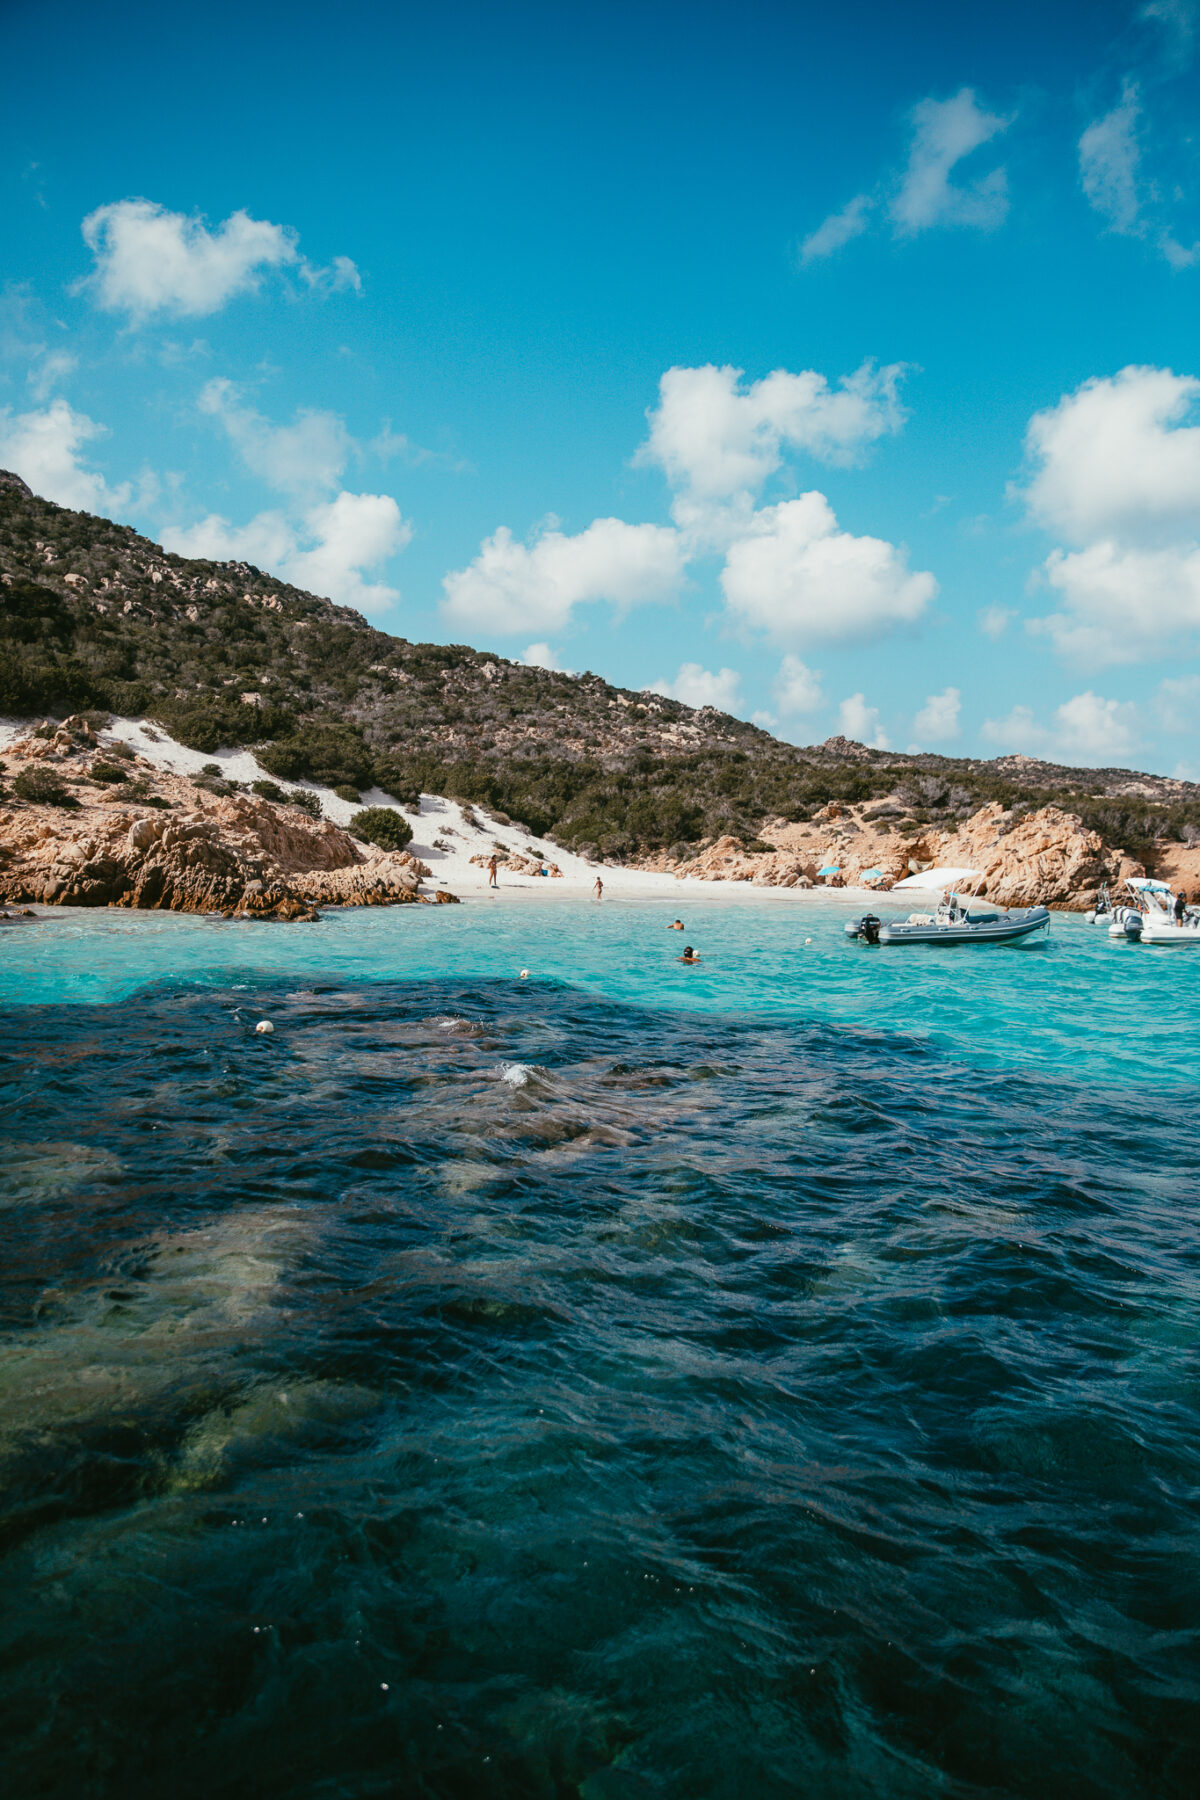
[
  {"x": 599, "y": 888},
  {"x": 493, "y": 869}
]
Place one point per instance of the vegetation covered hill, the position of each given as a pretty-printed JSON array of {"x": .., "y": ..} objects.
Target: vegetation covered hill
[{"x": 93, "y": 616}]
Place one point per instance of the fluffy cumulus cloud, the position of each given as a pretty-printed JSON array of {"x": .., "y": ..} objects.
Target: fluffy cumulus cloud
[
  {"x": 937, "y": 721},
  {"x": 717, "y": 438},
  {"x": 1116, "y": 473},
  {"x": 925, "y": 194},
  {"x": 698, "y": 686},
  {"x": 306, "y": 456},
  {"x": 48, "y": 449},
  {"x": 331, "y": 550},
  {"x": 800, "y": 579},
  {"x": 859, "y": 721},
  {"x": 513, "y": 587},
  {"x": 797, "y": 688},
  {"x": 1116, "y": 460},
  {"x": 149, "y": 260},
  {"x": 1087, "y": 729}
]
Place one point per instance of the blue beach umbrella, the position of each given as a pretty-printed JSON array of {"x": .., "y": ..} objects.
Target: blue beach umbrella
[
  {"x": 829, "y": 870},
  {"x": 872, "y": 874}
]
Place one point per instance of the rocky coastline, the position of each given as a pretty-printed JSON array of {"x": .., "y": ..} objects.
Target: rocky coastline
[
  {"x": 85, "y": 823},
  {"x": 1046, "y": 857}
]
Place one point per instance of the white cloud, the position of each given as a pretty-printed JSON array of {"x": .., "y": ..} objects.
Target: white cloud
[
  {"x": 304, "y": 457},
  {"x": 797, "y": 687},
  {"x": 799, "y": 578},
  {"x": 1108, "y": 164},
  {"x": 1177, "y": 704},
  {"x": 1123, "y": 605},
  {"x": 697, "y": 686},
  {"x": 944, "y": 132},
  {"x": 355, "y": 532},
  {"x": 1117, "y": 460},
  {"x": 1087, "y": 727},
  {"x": 994, "y": 621},
  {"x": 51, "y": 369},
  {"x": 149, "y": 260},
  {"x": 522, "y": 587},
  {"x": 1119, "y": 478},
  {"x": 330, "y": 552},
  {"x": 542, "y": 656},
  {"x": 717, "y": 440},
  {"x": 46, "y": 449},
  {"x": 838, "y": 229},
  {"x": 860, "y": 722},
  {"x": 937, "y": 721}
]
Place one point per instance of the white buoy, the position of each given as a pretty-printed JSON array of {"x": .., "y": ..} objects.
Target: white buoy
[
  {"x": 264, "y": 1028},
  {"x": 808, "y": 940},
  {"x": 524, "y": 974}
]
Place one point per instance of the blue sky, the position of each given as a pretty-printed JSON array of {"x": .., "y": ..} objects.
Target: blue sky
[{"x": 838, "y": 366}]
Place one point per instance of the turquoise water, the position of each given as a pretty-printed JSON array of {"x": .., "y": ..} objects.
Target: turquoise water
[
  {"x": 775, "y": 1377},
  {"x": 1077, "y": 1001}
]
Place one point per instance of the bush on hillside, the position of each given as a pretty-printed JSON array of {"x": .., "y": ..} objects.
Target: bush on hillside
[
  {"x": 307, "y": 801},
  {"x": 381, "y": 826},
  {"x": 268, "y": 790},
  {"x": 334, "y": 755},
  {"x": 108, "y": 772},
  {"x": 42, "y": 787}
]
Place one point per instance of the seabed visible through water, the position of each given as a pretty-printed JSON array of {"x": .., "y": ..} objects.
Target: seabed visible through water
[{"x": 775, "y": 1377}]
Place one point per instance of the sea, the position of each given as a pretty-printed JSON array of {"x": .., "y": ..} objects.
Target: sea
[{"x": 537, "y": 1369}]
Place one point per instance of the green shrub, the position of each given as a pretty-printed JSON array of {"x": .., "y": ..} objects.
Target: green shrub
[
  {"x": 212, "y": 769},
  {"x": 381, "y": 826},
  {"x": 42, "y": 787},
  {"x": 334, "y": 755},
  {"x": 108, "y": 772},
  {"x": 307, "y": 801},
  {"x": 269, "y": 790},
  {"x": 346, "y": 792}
]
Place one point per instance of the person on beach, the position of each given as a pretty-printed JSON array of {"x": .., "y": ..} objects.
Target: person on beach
[
  {"x": 493, "y": 871},
  {"x": 599, "y": 890},
  {"x": 677, "y": 926},
  {"x": 689, "y": 955}
]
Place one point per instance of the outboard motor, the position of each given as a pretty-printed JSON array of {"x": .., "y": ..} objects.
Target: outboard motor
[{"x": 1133, "y": 926}]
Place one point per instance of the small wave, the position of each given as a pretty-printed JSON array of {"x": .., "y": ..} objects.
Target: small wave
[{"x": 517, "y": 1075}]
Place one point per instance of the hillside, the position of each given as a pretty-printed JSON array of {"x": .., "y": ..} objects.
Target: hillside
[{"x": 95, "y": 617}]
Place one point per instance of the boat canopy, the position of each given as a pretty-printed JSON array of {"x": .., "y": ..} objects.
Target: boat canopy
[
  {"x": 936, "y": 878},
  {"x": 1144, "y": 885}
]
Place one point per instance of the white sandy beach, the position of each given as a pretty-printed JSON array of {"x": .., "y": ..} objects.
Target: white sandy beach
[{"x": 443, "y": 837}]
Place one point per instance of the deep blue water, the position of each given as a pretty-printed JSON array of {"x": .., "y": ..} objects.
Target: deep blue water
[{"x": 594, "y": 1385}]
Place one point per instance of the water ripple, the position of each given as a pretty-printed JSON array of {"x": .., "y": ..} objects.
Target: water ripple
[{"x": 479, "y": 1391}]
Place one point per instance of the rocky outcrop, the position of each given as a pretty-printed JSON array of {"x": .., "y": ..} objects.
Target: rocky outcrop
[
  {"x": 1046, "y": 858},
  {"x": 136, "y": 836}
]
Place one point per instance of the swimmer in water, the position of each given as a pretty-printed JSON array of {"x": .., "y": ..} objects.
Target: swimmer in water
[
  {"x": 689, "y": 955},
  {"x": 677, "y": 926}
]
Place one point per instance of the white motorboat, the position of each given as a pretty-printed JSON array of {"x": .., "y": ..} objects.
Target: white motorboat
[
  {"x": 954, "y": 920},
  {"x": 1163, "y": 922}
]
